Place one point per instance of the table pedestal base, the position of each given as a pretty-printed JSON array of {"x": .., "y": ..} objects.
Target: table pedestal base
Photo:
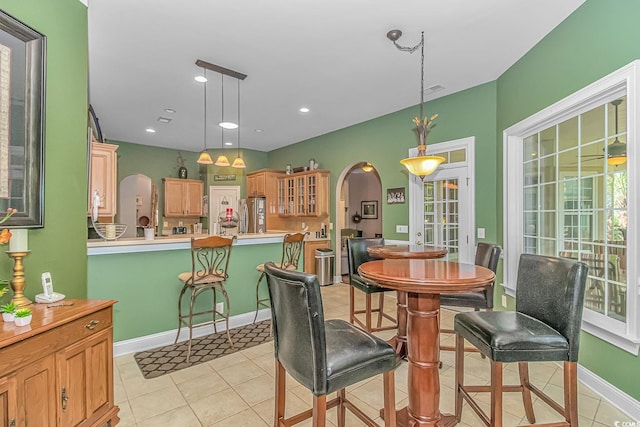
[
  {"x": 399, "y": 342},
  {"x": 402, "y": 419}
]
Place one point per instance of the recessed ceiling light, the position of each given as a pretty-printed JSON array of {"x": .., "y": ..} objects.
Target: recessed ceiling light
[
  {"x": 304, "y": 110},
  {"x": 259, "y": 130},
  {"x": 150, "y": 130},
  {"x": 200, "y": 79},
  {"x": 228, "y": 125},
  {"x": 169, "y": 110},
  {"x": 228, "y": 143},
  {"x": 164, "y": 119}
]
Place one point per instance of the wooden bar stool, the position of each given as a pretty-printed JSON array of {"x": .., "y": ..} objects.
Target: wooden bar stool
[
  {"x": 325, "y": 356},
  {"x": 544, "y": 328},
  {"x": 291, "y": 250},
  {"x": 209, "y": 263},
  {"x": 358, "y": 254}
]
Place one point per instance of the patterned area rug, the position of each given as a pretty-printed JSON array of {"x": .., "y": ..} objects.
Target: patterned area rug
[{"x": 171, "y": 358}]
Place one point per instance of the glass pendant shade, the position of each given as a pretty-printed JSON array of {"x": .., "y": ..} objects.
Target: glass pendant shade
[
  {"x": 222, "y": 161},
  {"x": 238, "y": 163},
  {"x": 617, "y": 160},
  {"x": 422, "y": 165},
  {"x": 205, "y": 158},
  {"x": 367, "y": 167}
]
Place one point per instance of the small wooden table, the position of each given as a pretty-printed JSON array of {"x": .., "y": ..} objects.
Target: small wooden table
[
  {"x": 424, "y": 280},
  {"x": 399, "y": 342}
]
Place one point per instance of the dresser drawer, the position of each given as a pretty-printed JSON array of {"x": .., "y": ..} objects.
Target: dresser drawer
[{"x": 28, "y": 351}]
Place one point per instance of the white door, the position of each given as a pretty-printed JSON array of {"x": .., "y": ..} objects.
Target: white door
[
  {"x": 222, "y": 197},
  {"x": 442, "y": 208}
]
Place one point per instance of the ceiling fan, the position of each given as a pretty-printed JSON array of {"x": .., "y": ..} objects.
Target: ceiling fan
[{"x": 616, "y": 152}]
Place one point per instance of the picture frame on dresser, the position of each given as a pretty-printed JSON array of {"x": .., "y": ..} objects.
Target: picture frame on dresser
[{"x": 22, "y": 118}]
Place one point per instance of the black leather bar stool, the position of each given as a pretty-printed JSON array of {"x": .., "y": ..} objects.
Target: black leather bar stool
[
  {"x": 291, "y": 249},
  {"x": 357, "y": 253},
  {"x": 209, "y": 263},
  {"x": 322, "y": 355},
  {"x": 544, "y": 328},
  {"x": 487, "y": 255}
]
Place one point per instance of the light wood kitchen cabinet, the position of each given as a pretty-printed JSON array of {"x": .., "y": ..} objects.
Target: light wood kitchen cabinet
[
  {"x": 310, "y": 254},
  {"x": 304, "y": 194},
  {"x": 183, "y": 197},
  {"x": 59, "y": 371},
  {"x": 264, "y": 183},
  {"x": 103, "y": 179}
]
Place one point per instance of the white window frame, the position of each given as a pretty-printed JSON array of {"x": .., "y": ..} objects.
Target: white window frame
[{"x": 625, "y": 80}]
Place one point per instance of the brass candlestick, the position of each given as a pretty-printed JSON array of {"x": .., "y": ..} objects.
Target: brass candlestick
[{"x": 18, "y": 282}]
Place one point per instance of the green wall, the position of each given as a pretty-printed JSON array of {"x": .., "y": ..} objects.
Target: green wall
[
  {"x": 60, "y": 247},
  {"x": 600, "y": 37},
  {"x": 386, "y": 140}
]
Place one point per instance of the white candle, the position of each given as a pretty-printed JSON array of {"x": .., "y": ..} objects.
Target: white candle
[{"x": 19, "y": 240}]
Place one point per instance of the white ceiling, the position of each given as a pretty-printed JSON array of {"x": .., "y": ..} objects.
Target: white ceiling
[{"x": 332, "y": 56}]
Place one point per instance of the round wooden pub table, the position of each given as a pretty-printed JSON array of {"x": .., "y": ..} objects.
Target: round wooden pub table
[
  {"x": 424, "y": 280},
  {"x": 399, "y": 342}
]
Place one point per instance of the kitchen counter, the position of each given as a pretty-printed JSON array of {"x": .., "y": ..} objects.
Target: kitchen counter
[
  {"x": 142, "y": 275},
  {"x": 177, "y": 241}
]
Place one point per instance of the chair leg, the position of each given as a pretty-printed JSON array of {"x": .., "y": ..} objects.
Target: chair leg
[
  {"x": 496, "y": 394},
  {"x": 523, "y": 369},
  {"x": 459, "y": 375},
  {"x": 184, "y": 288},
  {"x": 571, "y": 393},
  {"x": 215, "y": 303},
  {"x": 281, "y": 393},
  {"x": 258, "y": 296},
  {"x": 367, "y": 314},
  {"x": 193, "y": 298},
  {"x": 389, "y": 398},
  {"x": 341, "y": 408},
  {"x": 380, "y": 308},
  {"x": 226, "y": 315},
  {"x": 319, "y": 411},
  {"x": 352, "y": 305}
]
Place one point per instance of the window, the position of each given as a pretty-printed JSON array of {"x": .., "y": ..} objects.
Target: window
[{"x": 566, "y": 194}]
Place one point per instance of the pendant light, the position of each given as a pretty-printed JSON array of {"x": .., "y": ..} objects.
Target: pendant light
[
  {"x": 421, "y": 165},
  {"x": 238, "y": 162},
  {"x": 205, "y": 158},
  {"x": 367, "y": 167},
  {"x": 617, "y": 150},
  {"x": 222, "y": 159}
]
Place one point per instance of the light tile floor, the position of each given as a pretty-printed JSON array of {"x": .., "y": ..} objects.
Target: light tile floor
[{"x": 237, "y": 390}]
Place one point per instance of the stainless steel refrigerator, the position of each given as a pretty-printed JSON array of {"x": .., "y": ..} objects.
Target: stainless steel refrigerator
[{"x": 257, "y": 214}]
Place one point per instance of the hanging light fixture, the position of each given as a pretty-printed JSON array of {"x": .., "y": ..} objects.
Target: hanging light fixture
[
  {"x": 617, "y": 150},
  {"x": 222, "y": 159},
  {"x": 205, "y": 158},
  {"x": 238, "y": 162},
  {"x": 367, "y": 167},
  {"x": 421, "y": 165}
]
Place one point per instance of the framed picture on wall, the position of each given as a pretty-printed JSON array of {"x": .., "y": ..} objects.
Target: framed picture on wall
[
  {"x": 369, "y": 209},
  {"x": 395, "y": 195}
]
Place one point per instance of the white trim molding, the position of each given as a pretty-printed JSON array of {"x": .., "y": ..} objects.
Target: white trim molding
[{"x": 624, "y": 81}]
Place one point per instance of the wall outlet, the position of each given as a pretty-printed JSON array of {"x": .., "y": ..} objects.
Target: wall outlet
[
  {"x": 220, "y": 307},
  {"x": 330, "y": 226},
  {"x": 504, "y": 301},
  {"x": 165, "y": 224},
  {"x": 402, "y": 228},
  {"x": 480, "y": 233}
]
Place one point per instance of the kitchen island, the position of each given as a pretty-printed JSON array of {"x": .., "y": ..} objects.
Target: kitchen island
[{"x": 142, "y": 275}]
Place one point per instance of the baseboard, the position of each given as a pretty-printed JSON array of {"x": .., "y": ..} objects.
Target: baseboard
[
  {"x": 610, "y": 393},
  {"x": 160, "y": 339}
]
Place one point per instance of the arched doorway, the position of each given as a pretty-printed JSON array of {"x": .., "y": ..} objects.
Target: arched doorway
[{"x": 358, "y": 186}]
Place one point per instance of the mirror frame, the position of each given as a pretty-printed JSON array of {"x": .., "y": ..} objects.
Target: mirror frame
[{"x": 33, "y": 68}]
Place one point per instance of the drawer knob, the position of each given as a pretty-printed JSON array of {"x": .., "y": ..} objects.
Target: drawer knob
[{"x": 92, "y": 325}]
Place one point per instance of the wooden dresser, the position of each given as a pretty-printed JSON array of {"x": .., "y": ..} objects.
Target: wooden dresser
[{"x": 58, "y": 371}]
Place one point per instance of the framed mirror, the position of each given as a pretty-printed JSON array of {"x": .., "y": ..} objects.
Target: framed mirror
[{"x": 22, "y": 80}]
